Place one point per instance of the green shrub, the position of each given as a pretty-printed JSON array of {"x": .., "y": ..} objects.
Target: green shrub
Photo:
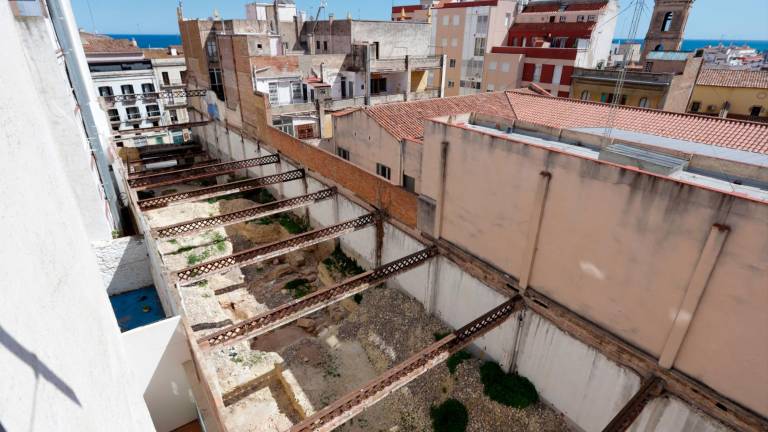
[
  {"x": 343, "y": 264},
  {"x": 455, "y": 360},
  {"x": 507, "y": 389},
  {"x": 298, "y": 287},
  {"x": 450, "y": 416},
  {"x": 293, "y": 224},
  {"x": 439, "y": 335},
  {"x": 358, "y": 298}
]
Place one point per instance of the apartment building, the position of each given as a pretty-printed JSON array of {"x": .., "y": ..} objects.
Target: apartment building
[
  {"x": 547, "y": 41},
  {"x": 739, "y": 94},
  {"x": 733, "y": 57},
  {"x": 170, "y": 70}
]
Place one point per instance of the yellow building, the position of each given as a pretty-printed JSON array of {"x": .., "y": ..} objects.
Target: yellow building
[{"x": 739, "y": 94}]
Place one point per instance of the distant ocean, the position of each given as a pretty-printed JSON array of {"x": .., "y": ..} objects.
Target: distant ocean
[{"x": 162, "y": 41}]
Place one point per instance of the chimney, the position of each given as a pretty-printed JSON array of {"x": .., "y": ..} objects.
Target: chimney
[
  {"x": 134, "y": 43},
  {"x": 173, "y": 51}
]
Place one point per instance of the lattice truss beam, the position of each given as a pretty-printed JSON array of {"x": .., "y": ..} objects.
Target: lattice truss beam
[
  {"x": 253, "y": 213},
  {"x": 248, "y": 257},
  {"x": 220, "y": 190},
  {"x": 358, "y": 401},
  {"x": 144, "y": 173},
  {"x": 167, "y": 94},
  {"x": 296, "y": 309},
  {"x": 651, "y": 388},
  {"x": 151, "y": 181},
  {"x": 167, "y": 158}
]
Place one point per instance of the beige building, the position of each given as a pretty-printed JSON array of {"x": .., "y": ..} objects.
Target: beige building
[{"x": 740, "y": 94}]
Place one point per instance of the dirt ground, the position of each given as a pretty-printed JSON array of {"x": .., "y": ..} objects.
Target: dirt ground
[{"x": 331, "y": 352}]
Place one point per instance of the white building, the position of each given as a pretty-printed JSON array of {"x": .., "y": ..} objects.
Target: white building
[
  {"x": 170, "y": 70},
  {"x": 733, "y": 57}
]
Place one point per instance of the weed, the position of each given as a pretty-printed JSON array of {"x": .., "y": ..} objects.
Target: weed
[
  {"x": 343, "y": 264},
  {"x": 293, "y": 224},
  {"x": 265, "y": 196},
  {"x": 439, "y": 335},
  {"x": 173, "y": 241},
  {"x": 115, "y": 234},
  {"x": 455, "y": 360},
  {"x": 193, "y": 259},
  {"x": 358, "y": 298},
  {"x": 450, "y": 416},
  {"x": 298, "y": 287},
  {"x": 507, "y": 389}
]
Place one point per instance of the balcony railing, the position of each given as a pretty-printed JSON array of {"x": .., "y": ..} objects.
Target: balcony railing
[
  {"x": 134, "y": 117},
  {"x": 173, "y": 84},
  {"x": 424, "y": 62},
  {"x": 632, "y": 77},
  {"x": 401, "y": 64}
]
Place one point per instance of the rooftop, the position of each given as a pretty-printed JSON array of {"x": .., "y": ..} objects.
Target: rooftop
[
  {"x": 162, "y": 53},
  {"x": 406, "y": 120},
  {"x": 570, "y": 6},
  {"x": 101, "y": 44},
  {"x": 733, "y": 78}
]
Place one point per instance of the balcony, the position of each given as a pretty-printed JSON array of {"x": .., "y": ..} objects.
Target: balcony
[
  {"x": 340, "y": 104},
  {"x": 129, "y": 99},
  {"x": 153, "y": 114},
  {"x": 388, "y": 65},
  {"x": 381, "y": 98},
  {"x": 292, "y": 108},
  {"x": 173, "y": 84},
  {"x": 420, "y": 63},
  {"x": 176, "y": 102},
  {"x": 632, "y": 77},
  {"x": 134, "y": 117}
]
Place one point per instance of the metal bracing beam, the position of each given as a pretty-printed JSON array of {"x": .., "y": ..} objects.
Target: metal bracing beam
[
  {"x": 160, "y": 150},
  {"x": 220, "y": 190},
  {"x": 296, "y": 309},
  {"x": 121, "y": 135},
  {"x": 272, "y": 250},
  {"x": 148, "y": 172},
  {"x": 202, "y": 224},
  {"x": 184, "y": 175},
  {"x": 651, "y": 388},
  {"x": 167, "y": 94},
  {"x": 167, "y": 158},
  {"x": 357, "y": 401}
]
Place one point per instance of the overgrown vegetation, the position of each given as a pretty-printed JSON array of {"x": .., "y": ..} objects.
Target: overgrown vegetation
[
  {"x": 264, "y": 196},
  {"x": 292, "y": 223},
  {"x": 449, "y": 416},
  {"x": 298, "y": 287},
  {"x": 455, "y": 360},
  {"x": 218, "y": 243},
  {"x": 341, "y": 263},
  {"x": 507, "y": 389},
  {"x": 439, "y": 335},
  {"x": 358, "y": 298}
]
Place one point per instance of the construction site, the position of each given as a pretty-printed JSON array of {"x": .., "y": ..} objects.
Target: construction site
[{"x": 307, "y": 308}]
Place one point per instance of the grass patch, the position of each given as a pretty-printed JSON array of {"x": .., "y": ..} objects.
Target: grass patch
[
  {"x": 358, "y": 298},
  {"x": 292, "y": 223},
  {"x": 298, "y": 287},
  {"x": 193, "y": 259},
  {"x": 343, "y": 264},
  {"x": 214, "y": 200},
  {"x": 173, "y": 241},
  {"x": 264, "y": 196},
  {"x": 507, "y": 389},
  {"x": 449, "y": 416},
  {"x": 455, "y": 360},
  {"x": 439, "y": 335}
]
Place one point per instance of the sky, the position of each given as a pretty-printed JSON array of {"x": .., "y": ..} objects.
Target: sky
[{"x": 710, "y": 19}]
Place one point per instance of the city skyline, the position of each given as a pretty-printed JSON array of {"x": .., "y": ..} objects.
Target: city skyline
[{"x": 123, "y": 18}]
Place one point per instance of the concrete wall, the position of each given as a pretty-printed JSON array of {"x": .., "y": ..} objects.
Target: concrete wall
[
  {"x": 123, "y": 263},
  {"x": 617, "y": 246},
  {"x": 157, "y": 353},
  {"x": 668, "y": 413},
  {"x": 63, "y": 365}
]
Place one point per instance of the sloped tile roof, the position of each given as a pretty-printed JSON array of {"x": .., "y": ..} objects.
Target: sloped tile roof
[
  {"x": 95, "y": 43},
  {"x": 733, "y": 78},
  {"x": 554, "y": 6},
  {"x": 406, "y": 119}
]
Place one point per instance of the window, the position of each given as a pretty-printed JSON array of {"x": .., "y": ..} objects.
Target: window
[
  {"x": 153, "y": 111},
  {"x": 505, "y": 67},
  {"x": 557, "y": 74},
  {"x": 585, "y": 95},
  {"x": 444, "y": 42},
  {"x": 490, "y": 87},
  {"x": 452, "y": 63},
  {"x": 659, "y": 47},
  {"x": 296, "y": 91},
  {"x": 127, "y": 89},
  {"x": 513, "y": 42},
  {"x": 479, "y": 47},
  {"x": 409, "y": 183},
  {"x": 273, "y": 93},
  {"x": 166, "y": 78},
  {"x": 148, "y": 88},
  {"x": 482, "y": 24},
  {"x": 212, "y": 49},
  {"x": 378, "y": 85},
  {"x": 580, "y": 18},
  {"x": 133, "y": 113},
  {"x": 695, "y": 106},
  {"x": 537, "y": 73},
  {"x": 560, "y": 42},
  {"x": 592, "y": 18},
  {"x": 114, "y": 115},
  {"x": 755, "y": 111},
  {"x": 562, "y": 18},
  {"x": 507, "y": 20},
  {"x": 454, "y": 42},
  {"x": 216, "y": 84},
  {"x": 174, "y": 116},
  {"x": 317, "y": 45},
  {"x": 666, "y": 22},
  {"x": 643, "y": 102},
  {"x": 105, "y": 91},
  {"x": 259, "y": 46},
  {"x": 383, "y": 171},
  {"x": 525, "y": 42},
  {"x": 492, "y": 65},
  {"x": 606, "y": 97},
  {"x": 456, "y": 20},
  {"x": 446, "y": 19},
  {"x": 648, "y": 66},
  {"x": 552, "y": 19},
  {"x": 325, "y": 46},
  {"x": 451, "y": 84},
  {"x": 342, "y": 153}
]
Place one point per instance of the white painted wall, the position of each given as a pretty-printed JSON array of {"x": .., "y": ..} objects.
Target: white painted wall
[
  {"x": 124, "y": 264},
  {"x": 63, "y": 366},
  {"x": 157, "y": 353},
  {"x": 668, "y": 413},
  {"x": 584, "y": 385}
]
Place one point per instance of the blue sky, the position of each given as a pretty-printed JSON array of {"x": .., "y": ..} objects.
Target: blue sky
[{"x": 710, "y": 19}]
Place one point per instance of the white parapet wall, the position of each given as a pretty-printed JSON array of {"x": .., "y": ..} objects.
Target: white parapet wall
[
  {"x": 123, "y": 263},
  {"x": 668, "y": 413}
]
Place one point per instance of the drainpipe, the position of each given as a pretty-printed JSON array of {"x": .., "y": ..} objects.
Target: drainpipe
[{"x": 80, "y": 76}]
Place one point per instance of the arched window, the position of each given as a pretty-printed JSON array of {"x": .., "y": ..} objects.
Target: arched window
[
  {"x": 585, "y": 95},
  {"x": 666, "y": 23},
  {"x": 643, "y": 102},
  {"x": 659, "y": 47}
]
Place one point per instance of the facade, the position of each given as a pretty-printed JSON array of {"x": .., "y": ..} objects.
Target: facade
[
  {"x": 624, "y": 54},
  {"x": 733, "y": 57},
  {"x": 546, "y": 43},
  {"x": 170, "y": 70},
  {"x": 739, "y": 94},
  {"x": 667, "y": 27},
  {"x": 282, "y": 20}
]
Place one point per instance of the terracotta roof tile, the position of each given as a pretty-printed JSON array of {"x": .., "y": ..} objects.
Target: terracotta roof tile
[
  {"x": 93, "y": 43},
  {"x": 733, "y": 78}
]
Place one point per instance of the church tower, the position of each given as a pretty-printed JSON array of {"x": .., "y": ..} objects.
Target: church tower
[{"x": 667, "y": 26}]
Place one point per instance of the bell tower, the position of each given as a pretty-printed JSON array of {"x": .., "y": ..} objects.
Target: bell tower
[{"x": 667, "y": 26}]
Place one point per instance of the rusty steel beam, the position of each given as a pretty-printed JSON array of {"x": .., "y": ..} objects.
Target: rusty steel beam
[
  {"x": 261, "y": 253},
  {"x": 167, "y": 94},
  {"x": 202, "y": 224},
  {"x": 651, "y": 388},
  {"x": 151, "y": 181},
  {"x": 121, "y": 136},
  {"x": 220, "y": 190},
  {"x": 296, "y": 309},
  {"x": 159, "y": 150},
  {"x": 358, "y": 401},
  {"x": 148, "y": 172},
  {"x": 166, "y": 158}
]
